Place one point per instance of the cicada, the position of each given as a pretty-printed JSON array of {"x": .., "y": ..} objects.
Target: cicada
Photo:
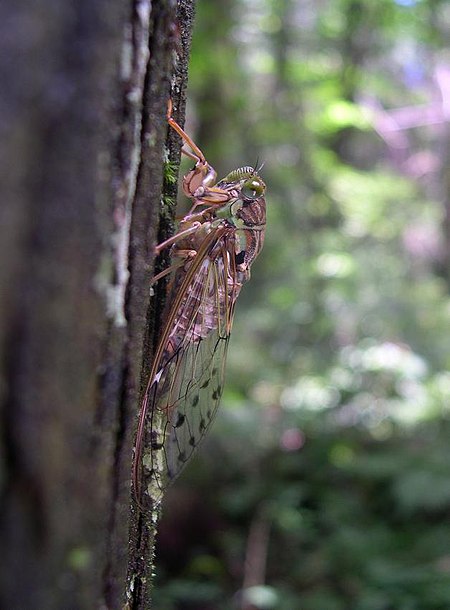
[{"x": 212, "y": 252}]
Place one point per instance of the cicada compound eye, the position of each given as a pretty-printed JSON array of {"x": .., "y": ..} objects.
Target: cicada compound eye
[{"x": 253, "y": 188}]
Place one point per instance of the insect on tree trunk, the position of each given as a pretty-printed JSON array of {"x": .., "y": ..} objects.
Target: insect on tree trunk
[{"x": 83, "y": 117}]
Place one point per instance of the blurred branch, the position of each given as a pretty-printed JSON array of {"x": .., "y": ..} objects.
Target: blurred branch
[{"x": 256, "y": 553}]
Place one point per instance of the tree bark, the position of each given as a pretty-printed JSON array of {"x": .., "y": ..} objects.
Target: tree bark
[{"x": 83, "y": 120}]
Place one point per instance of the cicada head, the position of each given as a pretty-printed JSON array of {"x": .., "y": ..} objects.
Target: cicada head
[
  {"x": 246, "y": 207},
  {"x": 246, "y": 181}
]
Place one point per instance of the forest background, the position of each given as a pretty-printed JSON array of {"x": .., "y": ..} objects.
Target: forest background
[{"x": 325, "y": 482}]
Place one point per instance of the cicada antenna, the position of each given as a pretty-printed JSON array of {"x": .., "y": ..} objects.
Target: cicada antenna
[{"x": 258, "y": 169}]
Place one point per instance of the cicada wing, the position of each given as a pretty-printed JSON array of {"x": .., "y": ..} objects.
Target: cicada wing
[
  {"x": 187, "y": 381},
  {"x": 194, "y": 401}
]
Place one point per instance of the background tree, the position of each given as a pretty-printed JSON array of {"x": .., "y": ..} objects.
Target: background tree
[{"x": 84, "y": 101}]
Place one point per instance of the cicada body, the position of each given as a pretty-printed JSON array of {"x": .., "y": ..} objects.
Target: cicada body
[{"x": 212, "y": 253}]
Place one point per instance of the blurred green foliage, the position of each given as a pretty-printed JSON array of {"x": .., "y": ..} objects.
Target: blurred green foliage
[{"x": 329, "y": 463}]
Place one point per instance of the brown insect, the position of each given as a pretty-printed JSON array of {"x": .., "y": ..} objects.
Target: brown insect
[{"x": 212, "y": 252}]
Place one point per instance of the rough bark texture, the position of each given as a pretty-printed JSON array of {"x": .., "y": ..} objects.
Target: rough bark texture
[{"x": 82, "y": 118}]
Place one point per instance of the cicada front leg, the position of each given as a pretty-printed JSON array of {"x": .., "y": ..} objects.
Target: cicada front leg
[{"x": 199, "y": 183}]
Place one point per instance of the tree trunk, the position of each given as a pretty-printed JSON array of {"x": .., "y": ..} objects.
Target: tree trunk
[{"x": 83, "y": 119}]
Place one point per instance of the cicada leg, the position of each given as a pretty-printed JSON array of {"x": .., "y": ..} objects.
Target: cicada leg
[
  {"x": 198, "y": 184},
  {"x": 183, "y": 256},
  {"x": 180, "y": 250},
  {"x": 177, "y": 237}
]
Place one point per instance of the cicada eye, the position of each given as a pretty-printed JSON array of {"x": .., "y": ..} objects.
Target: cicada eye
[{"x": 253, "y": 188}]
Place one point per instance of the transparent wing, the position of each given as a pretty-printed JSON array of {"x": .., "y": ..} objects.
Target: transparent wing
[{"x": 188, "y": 375}]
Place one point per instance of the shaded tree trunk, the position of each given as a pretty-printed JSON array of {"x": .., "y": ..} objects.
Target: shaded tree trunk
[{"x": 83, "y": 105}]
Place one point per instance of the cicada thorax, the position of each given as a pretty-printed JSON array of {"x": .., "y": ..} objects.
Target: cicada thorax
[
  {"x": 247, "y": 214},
  {"x": 239, "y": 212}
]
